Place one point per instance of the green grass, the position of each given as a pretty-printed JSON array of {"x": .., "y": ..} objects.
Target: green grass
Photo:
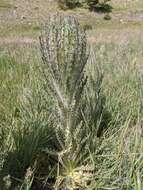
[
  {"x": 32, "y": 30},
  {"x": 126, "y": 6},
  {"x": 5, "y": 5},
  {"x": 13, "y": 77},
  {"x": 118, "y": 154},
  {"x": 113, "y": 24},
  {"x": 19, "y": 30}
]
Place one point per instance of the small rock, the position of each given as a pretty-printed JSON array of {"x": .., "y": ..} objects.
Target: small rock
[{"x": 23, "y": 17}]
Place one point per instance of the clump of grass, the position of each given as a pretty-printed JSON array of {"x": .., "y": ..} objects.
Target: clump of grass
[
  {"x": 21, "y": 117},
  {"x": 87, "y": 26},
  {"x": 121, "y": 83}
]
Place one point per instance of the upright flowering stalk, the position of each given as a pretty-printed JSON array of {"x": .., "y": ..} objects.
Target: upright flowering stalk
[
  {"x": 63, "y": 47},
  {"x": 64, "y": 53}
]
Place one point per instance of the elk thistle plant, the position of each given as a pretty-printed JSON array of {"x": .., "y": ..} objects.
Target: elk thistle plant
[{"x": 64, "y": 54}]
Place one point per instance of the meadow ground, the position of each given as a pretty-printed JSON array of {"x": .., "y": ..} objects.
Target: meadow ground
[{"x": 116, "y": 47}]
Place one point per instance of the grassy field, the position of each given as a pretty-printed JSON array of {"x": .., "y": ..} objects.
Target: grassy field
[
  {"x": 118, "y": 153},
  {"x": 108, "y": 152},
  {"x": 5, "y": 5},
  {"x": 24, "y": 18}
]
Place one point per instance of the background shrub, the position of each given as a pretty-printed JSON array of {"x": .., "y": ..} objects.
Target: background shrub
[
  {"x": 64, "y": 4},
  {"x": 96, "y": 5},
  {"x": 99, "y": 5}
]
